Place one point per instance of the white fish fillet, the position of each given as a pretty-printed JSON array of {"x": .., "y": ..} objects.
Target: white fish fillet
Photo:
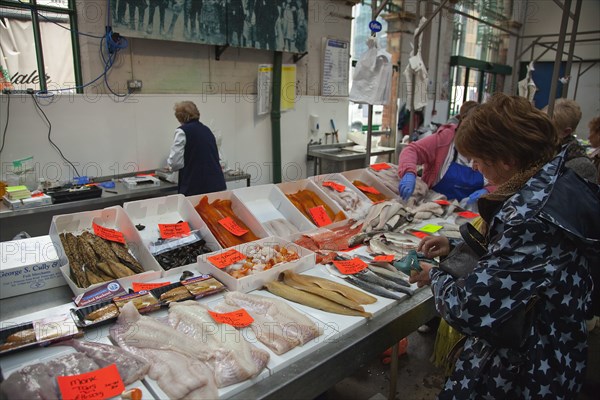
[
  {"x": 179, "y": 375},
  {"x": 276, "y": 324},
  {"x": 235, "y": 358}
]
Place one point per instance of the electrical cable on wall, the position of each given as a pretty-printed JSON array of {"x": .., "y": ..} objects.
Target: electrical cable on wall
[
  {"x": 6, "y": 125},
  {"x": 49, "y": 132}
]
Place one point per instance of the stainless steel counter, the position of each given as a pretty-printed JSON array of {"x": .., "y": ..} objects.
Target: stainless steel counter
[{"x": 342, "y": 155}]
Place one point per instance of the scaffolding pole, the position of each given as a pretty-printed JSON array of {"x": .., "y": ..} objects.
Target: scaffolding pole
[{"x": 558, "y": 58}]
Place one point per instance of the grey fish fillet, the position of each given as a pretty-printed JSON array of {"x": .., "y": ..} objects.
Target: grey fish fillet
[
  {"x": 371, "y": 277},
  {"x": 371, "y": 288}
]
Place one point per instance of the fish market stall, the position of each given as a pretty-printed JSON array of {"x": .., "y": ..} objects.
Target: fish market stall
[{"x": 342, "y": 286}]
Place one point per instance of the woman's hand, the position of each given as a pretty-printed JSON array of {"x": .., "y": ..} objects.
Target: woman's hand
[
  {"x": 421, "y": 278},
  {"x": 434, "y": 246}
]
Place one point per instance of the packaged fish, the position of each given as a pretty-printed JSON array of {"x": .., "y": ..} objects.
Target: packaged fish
[
  {"x": 143, "y": 301},
  {"x": 171, "y": 293},
  {"x": 95, "y": 314},
  {"x": 41, "y": 332},
  {"x": 203, "y": 285}
]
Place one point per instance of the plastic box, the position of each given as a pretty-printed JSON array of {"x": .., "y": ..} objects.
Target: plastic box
[
  {"x": 358, "y": 213},
  {"x": 167, "y": 210},
  {"x": 391, "y": 173},
  {"x": 238, "y": 208},
  {"x": 113, "y": 218},
  {"x": 256, "y": 281},
  {"x": 267, "y": 203},
  {"x": 307, "y": 184},
  {"x": 364, "y": 176}
]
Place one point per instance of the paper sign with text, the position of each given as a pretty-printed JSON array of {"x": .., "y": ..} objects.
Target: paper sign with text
[
  {"x": 368, "y": 189},
  {"x": 334, "y": 186},
  {"x": 168, "y": 231},
  {"x": 108, "y": 234},
  {"x": 381, "y": 166},
  {"x": 430, "y": 228},
  {"x": 226, "y": 258},
  {"x": 468, "y": 214},
  {"x": 350, "y": 267},
  {"x": 232, "y": 226},
  {"x": 319, "y": 215},
  {"x": 442, "y": 202},
  {"x": 239, "y": 318},
  {"x": 385, "y": 258},
  {"x": 102, "y": 383},
  {"x": 138, "y": 286}
]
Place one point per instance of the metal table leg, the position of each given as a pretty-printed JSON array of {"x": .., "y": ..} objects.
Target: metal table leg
[{"x": 393, "y": 372}]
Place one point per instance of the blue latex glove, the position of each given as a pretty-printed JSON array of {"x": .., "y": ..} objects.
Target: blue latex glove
[
  {"x": 407, "y": 185},
  {"x": 476, "y": 195}
]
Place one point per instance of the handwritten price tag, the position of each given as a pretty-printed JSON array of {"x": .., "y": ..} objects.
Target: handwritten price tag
[
  {"x": 381, "y": 166},
  {"x": 179, "y": 229},
  {"x": 385, "y": 258},
  {"x": 442, "y": 202},
  {"x": 108, "y": 234},
  {"x": 468, "y": 214},
  {"x": 225, "y": 259},
  {"x": 232, "y": 226},
  {"x": 334, "y": 186},
  {"x": 239, "y": 318},
  {"x": 319, "y": 215},
  {"x": 418, "y": 234},
  {"x": 430, "y": 228},
  {"x": 350, "y": 267},
  {"x": 138, "y": 287},
  {"x": 368, "y": 189},
  {"x": 102, "y": 383}
]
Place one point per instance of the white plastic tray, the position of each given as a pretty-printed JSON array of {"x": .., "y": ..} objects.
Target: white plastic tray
[
  {"x": 363, "y": 176},
  {"x": 113, "y": 218},
  {"x": 307, "y": 184},
  {"x": 361, "y": 210},
  {"x": 256, "y": 281},
  {"x": 167, "y": 210},
  {"x": 267, "y": 203}
]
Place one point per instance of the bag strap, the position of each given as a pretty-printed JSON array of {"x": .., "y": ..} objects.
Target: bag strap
[{"x": 473, "y": 239}]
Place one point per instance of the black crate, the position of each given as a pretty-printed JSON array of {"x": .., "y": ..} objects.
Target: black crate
[{"x": 74, "y": 194}]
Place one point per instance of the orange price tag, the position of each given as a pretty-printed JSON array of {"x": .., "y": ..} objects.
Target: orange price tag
[
  {"x": 368, "y": 189},
  {"x": 102, "y": 383},
  {"x": 232, "y": 226},
  {"x": 385, "y": 258},
  {"x": 179, "y": 229},
  {"x": 419, "y": 234},
  {"x": 319, "y": 215},
  {"x": 442, "y": 202},
  {"x": 226, "y": 258},
  {"x": 138, "y": 286},
  {"x": 334, "y": 186},
  {"x": 468, "y": 214},
  {"x": 350, "y": 267},
  {"x": 239, "y": 318},
  {"x": 108, "y": 234},
  {"x": 381, "y": 166}
]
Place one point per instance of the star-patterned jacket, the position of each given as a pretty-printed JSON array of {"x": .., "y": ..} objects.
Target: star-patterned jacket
[{"x": 541, "y": 240}]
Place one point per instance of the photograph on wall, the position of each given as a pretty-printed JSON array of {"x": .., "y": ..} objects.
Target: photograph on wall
[
  {"x": 276, "y": 25},
  {"x": 198, "y": 21},
  {"x": 279, "y": 25}
]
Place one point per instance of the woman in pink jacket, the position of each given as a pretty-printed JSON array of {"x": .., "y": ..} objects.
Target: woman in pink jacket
[{"x": 444, "y": 169}]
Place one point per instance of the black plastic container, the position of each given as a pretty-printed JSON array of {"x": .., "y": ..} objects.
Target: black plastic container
[{"x": 67, "y": 195}]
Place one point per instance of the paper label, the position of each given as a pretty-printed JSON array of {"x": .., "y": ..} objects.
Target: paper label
[
  {"x": 385, "y": 258},
  {"x": 232, "y": 226},
  {"x": 380, "y": 166},
  {"x": 225, "y": 259},
  {"x": 442, "y": 202},
  {"x": 102, "y": 383},
  {"x": 468, "y": 214},
  {"x": 108, "y": 234},
  {"x": 430, "y": 228},
  {"x": 418, "y": 234},
  {"x": 239, "y": 318},
  {"x": 368, "y": 189},
  {"x": 319, "y": 215},
  {"x": 334, "y": 186},
  {"x": 138, "y": 286},
  {"x": 350, "y": 267},
  {"x": 168, "y": 231}
]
